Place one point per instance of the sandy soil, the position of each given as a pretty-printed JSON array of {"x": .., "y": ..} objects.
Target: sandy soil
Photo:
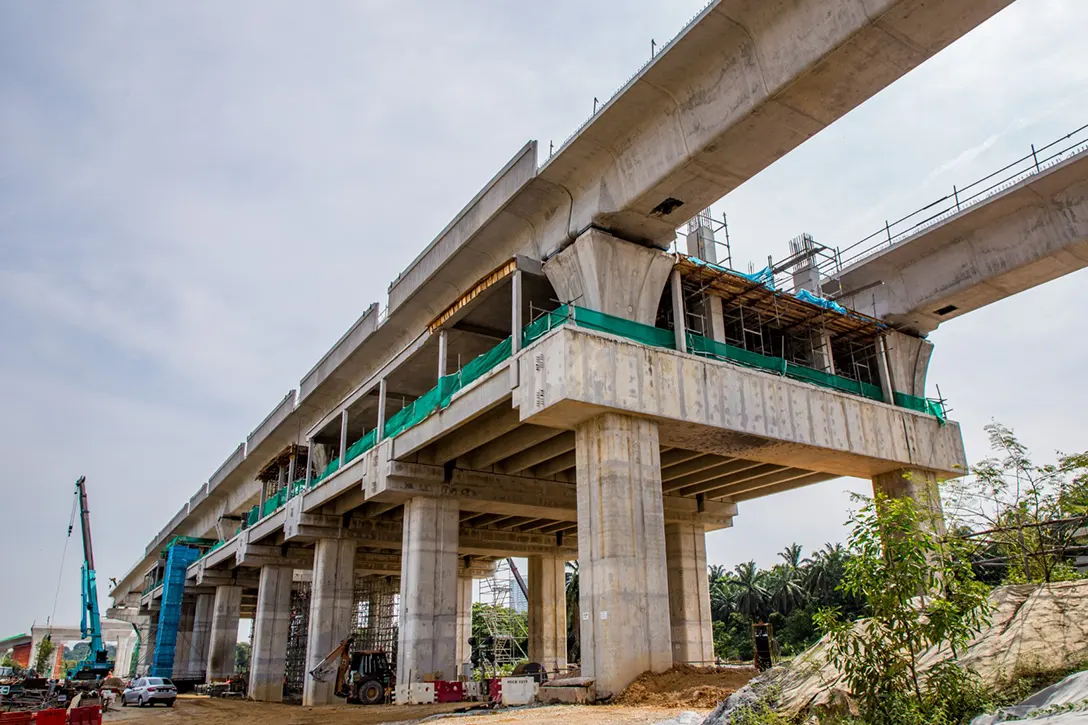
[
  {"x": 686, "y": 686},
  {"x": 194, "y": 710}
]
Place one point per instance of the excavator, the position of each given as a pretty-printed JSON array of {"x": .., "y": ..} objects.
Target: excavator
[{"x": 97, "y": 664}]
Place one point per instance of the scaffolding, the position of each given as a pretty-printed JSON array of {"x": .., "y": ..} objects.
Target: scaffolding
[
  {"x": 507, "y": 627},
  {"x": 375, "y": 618},
  {"x": 297, "y": 637}
]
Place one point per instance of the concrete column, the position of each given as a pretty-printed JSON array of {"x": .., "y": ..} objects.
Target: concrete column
[
  {"x": 919, "y": 485},
  {"x": 149, "y": 633},
  {"x": 548, "y": 612},
  {"x": 343, "y": 434},
  {"x": 427, "y": 642},
  {"x": 443, "y": 352},
  {"x": 182, "y": 648},
  {"x": 884, "y": 371},
  {"x": 624, "y": 586},
  {"x": 464, "y": 621},
  {"x": 679, "y": 318},
  {"x": 332, "y": 599},
  {"x": 202, "y": 631},
  {"x": 224, "y": 633},
  {"x": 268, "y": 658},
  {"x": 689, "y": 594},
  {"x": 607, "y": 274},
  {"x": 310, "y": 451},
  {"x": 515, "y": 312},
  {"x": 381, "y": 411}
]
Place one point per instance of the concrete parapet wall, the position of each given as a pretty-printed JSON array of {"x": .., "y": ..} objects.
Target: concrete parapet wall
[{"x": 715, "y": 407}]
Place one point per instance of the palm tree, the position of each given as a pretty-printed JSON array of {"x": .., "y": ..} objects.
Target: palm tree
[
  {"x": 716, "y": 572},
  {"x": 824, "y": 570},
  {"x": 574, "y": 620},
  {"x": 751, "y": 596},
  {"x": 721, "y": 599},
  {"x": 786, "y": 589},
  {"x": 792, "y": 556}
]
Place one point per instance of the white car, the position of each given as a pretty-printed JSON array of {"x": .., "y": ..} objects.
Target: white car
[{"x": 149, "y": 690}]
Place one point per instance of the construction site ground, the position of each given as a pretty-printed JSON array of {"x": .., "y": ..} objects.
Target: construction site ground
[{"x": 196, "y": 710}]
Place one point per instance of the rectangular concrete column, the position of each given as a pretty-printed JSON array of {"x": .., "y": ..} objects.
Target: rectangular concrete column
[
  {"x": 919, "y": 485},
  {"x": 185, "y": 637},
  {"x": 268, "y": 658},
  {"x": 689, "y": 594},
  {"x": 464, "y": 621},
  {"x": 548, "y": 612},
  {"x": 332, "y": 600},
  {"x": 202, "y": 632},
  {"x": 427, "y": 641},
  {"x": 224, "y": 634},
  {"x": 624, "y": 585}
]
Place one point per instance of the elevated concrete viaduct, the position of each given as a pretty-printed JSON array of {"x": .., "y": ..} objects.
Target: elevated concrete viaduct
[
  {"x": 1030, "y": 233},
  {"x": 477, "y": 419}
]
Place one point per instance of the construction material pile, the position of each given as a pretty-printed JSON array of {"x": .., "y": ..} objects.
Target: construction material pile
[
  {"x": 1034, "y": 629},
  {"x": 686, "y": 686}
]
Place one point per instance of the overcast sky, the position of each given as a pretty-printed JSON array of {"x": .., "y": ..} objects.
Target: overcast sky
[{"x": 198, "y": 198}]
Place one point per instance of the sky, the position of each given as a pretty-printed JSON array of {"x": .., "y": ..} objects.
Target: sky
[{"x": 198, "y": 198}]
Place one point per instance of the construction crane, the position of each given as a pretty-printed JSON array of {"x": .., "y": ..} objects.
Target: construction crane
[{"x": 97, "y": 664}]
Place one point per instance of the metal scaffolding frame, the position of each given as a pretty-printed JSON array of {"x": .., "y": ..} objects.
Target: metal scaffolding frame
[
  {"x": 507, "y": 627},
  {"x": 297, "y": 638},
  {"x": 376, "y": 615}
]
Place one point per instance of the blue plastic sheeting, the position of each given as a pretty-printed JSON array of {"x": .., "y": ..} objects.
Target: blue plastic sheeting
[
  {"x": 173, "y": 588},
  {"x": 806, "y": 296},
  {"x": 764, "y": 276}
]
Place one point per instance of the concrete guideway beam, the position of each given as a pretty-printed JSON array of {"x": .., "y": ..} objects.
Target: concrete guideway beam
[
  {"x": 623, "y": 581},
  {"x": 332, "y": 599},
  {"x": 689, "y": 595},
  {"x": 427, "y": 642},
  {"x": 518, "y": 440},
  {"x": 1025, "y": 236},
  {"x": 268, "y": 658},
  {"x": 561, "y": 444},
  {"x": 728, "y": 410}
]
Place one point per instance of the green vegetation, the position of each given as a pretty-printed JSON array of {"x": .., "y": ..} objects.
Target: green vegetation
[
  {"x": 43, "y": 657},
  {"x": 788, "y": 596},
  {"x": 920, "y": 592},
  {"x": 241, "y": 657}
]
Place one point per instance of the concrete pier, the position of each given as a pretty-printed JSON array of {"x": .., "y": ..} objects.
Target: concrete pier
[
  {"x": 224, "y": 632},
  {"x": 183, "y": 650},
  {"x": 464, "y": 621},
  {"x": 203, "y": 609},
  {"x": 689, "y": 594},
  {"x": 920, "y": 486},
  {"x": 548, "y": 612},
  {"x": 331, "y": 602},
  {"x": 267, "y": 662},
  {"x": 621, "y": 552},
  {"x": 427, "y": 643}
]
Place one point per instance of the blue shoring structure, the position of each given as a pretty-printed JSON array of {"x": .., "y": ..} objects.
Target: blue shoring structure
[{"x": 178, "y": 560}]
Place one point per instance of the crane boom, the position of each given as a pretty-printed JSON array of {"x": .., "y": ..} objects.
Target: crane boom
[{"x": 97, "y": 663}]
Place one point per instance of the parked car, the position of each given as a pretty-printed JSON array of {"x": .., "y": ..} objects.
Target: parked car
[{"x": 149, "y": 690}]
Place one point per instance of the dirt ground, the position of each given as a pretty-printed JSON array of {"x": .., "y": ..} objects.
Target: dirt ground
[
  {"x": 687, "y": 686},
  {"x": 195, "y": 710}
]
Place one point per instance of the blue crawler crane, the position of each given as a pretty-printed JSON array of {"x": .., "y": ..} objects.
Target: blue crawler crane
[{"x": 97, "y": 664}]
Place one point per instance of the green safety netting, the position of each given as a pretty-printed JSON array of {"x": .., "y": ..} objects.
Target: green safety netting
[
  {"x": 699, "y": 345},
  {"x": 440, "y": 396},
  {"x": 922, "y": 405},
  {"x": 637, "y": 331}
]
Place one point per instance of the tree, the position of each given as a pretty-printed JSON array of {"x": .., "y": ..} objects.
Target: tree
[
  {"x": 921, "y": 593},
  {"x": 43, "y": 662},
  {"x": 241, "y": 657},
  {"x": 1021, "y": 516},
  {"x": 751, "y": 596}
]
